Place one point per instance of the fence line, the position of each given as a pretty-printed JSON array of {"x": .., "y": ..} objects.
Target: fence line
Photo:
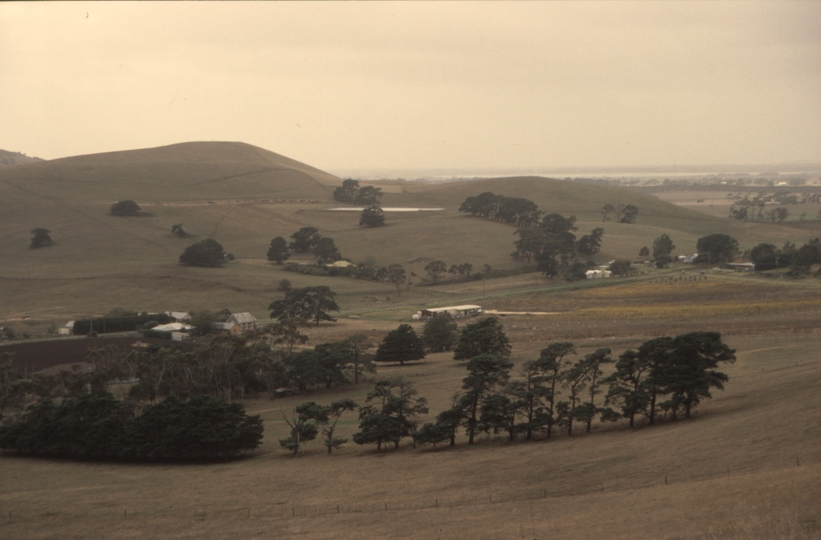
[{"x": 289, "y": 511}]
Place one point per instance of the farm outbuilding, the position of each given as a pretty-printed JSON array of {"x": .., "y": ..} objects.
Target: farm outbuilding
[
  {"x": 456, "y": 312},
  {"x": 245, "y": 321}
]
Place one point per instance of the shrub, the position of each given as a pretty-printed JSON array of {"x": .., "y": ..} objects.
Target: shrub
[{"x": 125, "y": 208}]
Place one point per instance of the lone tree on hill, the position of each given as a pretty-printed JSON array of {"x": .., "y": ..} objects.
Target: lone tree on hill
[
  {"x": 278, "y": 251},
  {"x": 40, "y": 238},
  {"x": 125, "y": 208},
  {"x": 396, "y": 275},
  {"x": 400, "y": 345},
  {"x": 207, "y": 253},
  {"x": 373, "y": 216},
  {"x": 662, "y": 248}
]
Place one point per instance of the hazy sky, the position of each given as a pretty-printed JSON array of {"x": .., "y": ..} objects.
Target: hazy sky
[{"x": 353, "y": 85}]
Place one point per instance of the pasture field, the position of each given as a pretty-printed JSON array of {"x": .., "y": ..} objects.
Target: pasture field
[
  {"x": 243, "y": 196},
  {"x": 747, "y": 465}
]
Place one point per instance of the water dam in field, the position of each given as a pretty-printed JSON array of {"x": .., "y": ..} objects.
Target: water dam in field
[{"x": 385, "y": 209}]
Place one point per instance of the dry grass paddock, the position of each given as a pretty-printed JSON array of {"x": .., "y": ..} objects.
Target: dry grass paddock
[{"x": 747, "y": 466}]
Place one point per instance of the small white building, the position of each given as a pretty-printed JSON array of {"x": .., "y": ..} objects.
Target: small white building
[
  {"x": 179, "y": 316},
  {"x": 598, "y": 274},
  {"x": 67, "y": 329},
  {"x": 468, "y": 310}
]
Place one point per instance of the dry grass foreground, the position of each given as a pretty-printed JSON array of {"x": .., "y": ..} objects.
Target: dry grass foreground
[{"x": 748, "y": 466}]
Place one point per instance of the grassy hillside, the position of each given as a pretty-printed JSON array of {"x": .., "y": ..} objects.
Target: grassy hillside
[
  {"x": 243, "y": 196},
  {"x": 747, "y": 466}
]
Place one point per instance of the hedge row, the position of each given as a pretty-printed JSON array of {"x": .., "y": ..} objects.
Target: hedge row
[{"x": 203, "y": 428}]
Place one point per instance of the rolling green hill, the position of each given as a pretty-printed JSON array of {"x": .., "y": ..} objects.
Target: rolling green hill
[{"x": 242, "y": 196}]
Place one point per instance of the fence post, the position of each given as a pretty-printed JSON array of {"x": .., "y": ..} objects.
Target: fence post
[
  {"x": 337, "y": 508},
  {"x": 665, "y": 480},
  {"x": 436, "y": 502}
]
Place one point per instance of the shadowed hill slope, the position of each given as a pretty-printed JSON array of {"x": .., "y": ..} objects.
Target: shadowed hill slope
[
  {"x": 10, "y": 159},
  {"x": 186, "y": 171}
]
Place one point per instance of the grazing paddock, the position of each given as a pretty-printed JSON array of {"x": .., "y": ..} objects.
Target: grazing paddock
[{"x": 748, "y": 465}]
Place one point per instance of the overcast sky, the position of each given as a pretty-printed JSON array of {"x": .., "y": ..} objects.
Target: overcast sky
[{"x": 461, "y": 85}]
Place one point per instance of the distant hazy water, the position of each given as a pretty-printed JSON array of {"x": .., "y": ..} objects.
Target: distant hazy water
[{"x": 385, "y": 209}]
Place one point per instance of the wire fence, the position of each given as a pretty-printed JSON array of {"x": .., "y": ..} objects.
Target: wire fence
[{"x": 401, "y": 503}]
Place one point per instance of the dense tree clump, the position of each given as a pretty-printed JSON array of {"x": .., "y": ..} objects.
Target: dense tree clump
[
  {"x": 554, "y": 248},
  {"x": 512, "y": 210},
  {"x": 486, "y": 336},
  {"x": 40, "y": 238},
  {"x": 800, "y": 260},
  {"x": 205, "y": 253},
  {"x": 440, "y": 333},
  {"x": 372, "y": 216},
  {"x": 88, "y": 427},
  {"x": 326, "y": 251},
  {"x": 306, "y": 304},
  {"x": 125, "y": 208},
  {"x": 350, "y": 192},
  {"x": 716, "y": 249},
  {"x": 304, "y": 240},
  {"x": 400, "y": 345}
]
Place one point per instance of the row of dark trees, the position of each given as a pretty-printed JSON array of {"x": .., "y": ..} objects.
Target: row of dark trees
[
  {"x": 92, "y": 427},
  {"x": 667, "y": 376},
  {"x": 769, "y": 257},
  {"x": 511, "y": 210},
  {"x": 664, "y": 376},
  {"x": 436, "y": 269}
]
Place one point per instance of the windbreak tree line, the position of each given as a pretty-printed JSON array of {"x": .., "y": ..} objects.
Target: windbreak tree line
[
  {"x": 769, "y": 257},
  {"x": 556, "y": 392},
  {"x": 202, "y": 428},
  {"x": 664, "y": 377}
]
